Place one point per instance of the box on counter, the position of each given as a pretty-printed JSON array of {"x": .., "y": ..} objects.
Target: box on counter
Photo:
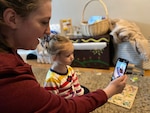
[{"x": 92, "y": 58}]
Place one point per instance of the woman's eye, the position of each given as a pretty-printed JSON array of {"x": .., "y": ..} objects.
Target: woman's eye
[{"x": 45, "y": 23}]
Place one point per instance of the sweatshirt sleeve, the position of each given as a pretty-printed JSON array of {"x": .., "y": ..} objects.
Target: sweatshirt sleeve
[
  {"x": 30, "y": 97},
  {"x": 79, "y": 104}
]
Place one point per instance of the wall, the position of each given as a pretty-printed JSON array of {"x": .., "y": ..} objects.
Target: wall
[{"x": 133, "y": 10}]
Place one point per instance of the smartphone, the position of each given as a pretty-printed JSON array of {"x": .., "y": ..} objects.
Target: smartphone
[{"x": 120, "y": 68}]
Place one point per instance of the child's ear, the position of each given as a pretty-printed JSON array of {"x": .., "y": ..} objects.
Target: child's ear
[{"x": 10, "y": 17}]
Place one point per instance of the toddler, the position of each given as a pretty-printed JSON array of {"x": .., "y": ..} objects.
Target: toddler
[{"x": 61, "y": 79}]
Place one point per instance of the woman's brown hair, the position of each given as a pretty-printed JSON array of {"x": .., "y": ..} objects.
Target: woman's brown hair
[{"x": 22, "y": 7}]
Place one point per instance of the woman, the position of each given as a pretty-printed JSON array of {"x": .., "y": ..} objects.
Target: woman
[{"x": 22, "y": 22}]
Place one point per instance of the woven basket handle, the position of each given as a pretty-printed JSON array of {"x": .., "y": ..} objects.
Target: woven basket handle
[{"x": 101, "y": 2}]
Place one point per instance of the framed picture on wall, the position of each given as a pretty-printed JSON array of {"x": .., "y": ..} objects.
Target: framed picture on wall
[{"x": 66, "y": 26}]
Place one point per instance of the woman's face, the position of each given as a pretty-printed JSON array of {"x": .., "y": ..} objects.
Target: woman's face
[{"x": 33, "y": 27}]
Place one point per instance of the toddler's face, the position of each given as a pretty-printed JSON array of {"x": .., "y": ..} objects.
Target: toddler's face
[{"x": 66, "y": 57}]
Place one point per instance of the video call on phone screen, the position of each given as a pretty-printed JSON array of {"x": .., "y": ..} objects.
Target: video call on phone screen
[{"x": 119, "y": 69}]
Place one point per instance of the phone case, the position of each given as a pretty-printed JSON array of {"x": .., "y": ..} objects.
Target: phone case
[{"x": 120, "y": 68}]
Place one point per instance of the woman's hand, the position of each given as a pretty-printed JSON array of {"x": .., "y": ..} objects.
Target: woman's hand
[{"x": 116, "y": 86}]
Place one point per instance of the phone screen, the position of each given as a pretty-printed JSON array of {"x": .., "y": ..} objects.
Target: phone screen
[{"x": 120, "y": 68}]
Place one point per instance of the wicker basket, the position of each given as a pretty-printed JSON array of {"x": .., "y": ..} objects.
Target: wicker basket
[{"x": 97, "y": 28}]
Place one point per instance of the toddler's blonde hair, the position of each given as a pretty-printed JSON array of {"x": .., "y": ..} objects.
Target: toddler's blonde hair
[{"x": 56, "y": 44}]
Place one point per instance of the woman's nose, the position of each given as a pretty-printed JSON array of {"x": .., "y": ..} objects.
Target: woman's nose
[{"x": 47, "y": 31}]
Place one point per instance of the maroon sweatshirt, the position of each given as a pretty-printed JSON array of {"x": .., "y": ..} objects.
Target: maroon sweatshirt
[{"x": 21, "y": 93}]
